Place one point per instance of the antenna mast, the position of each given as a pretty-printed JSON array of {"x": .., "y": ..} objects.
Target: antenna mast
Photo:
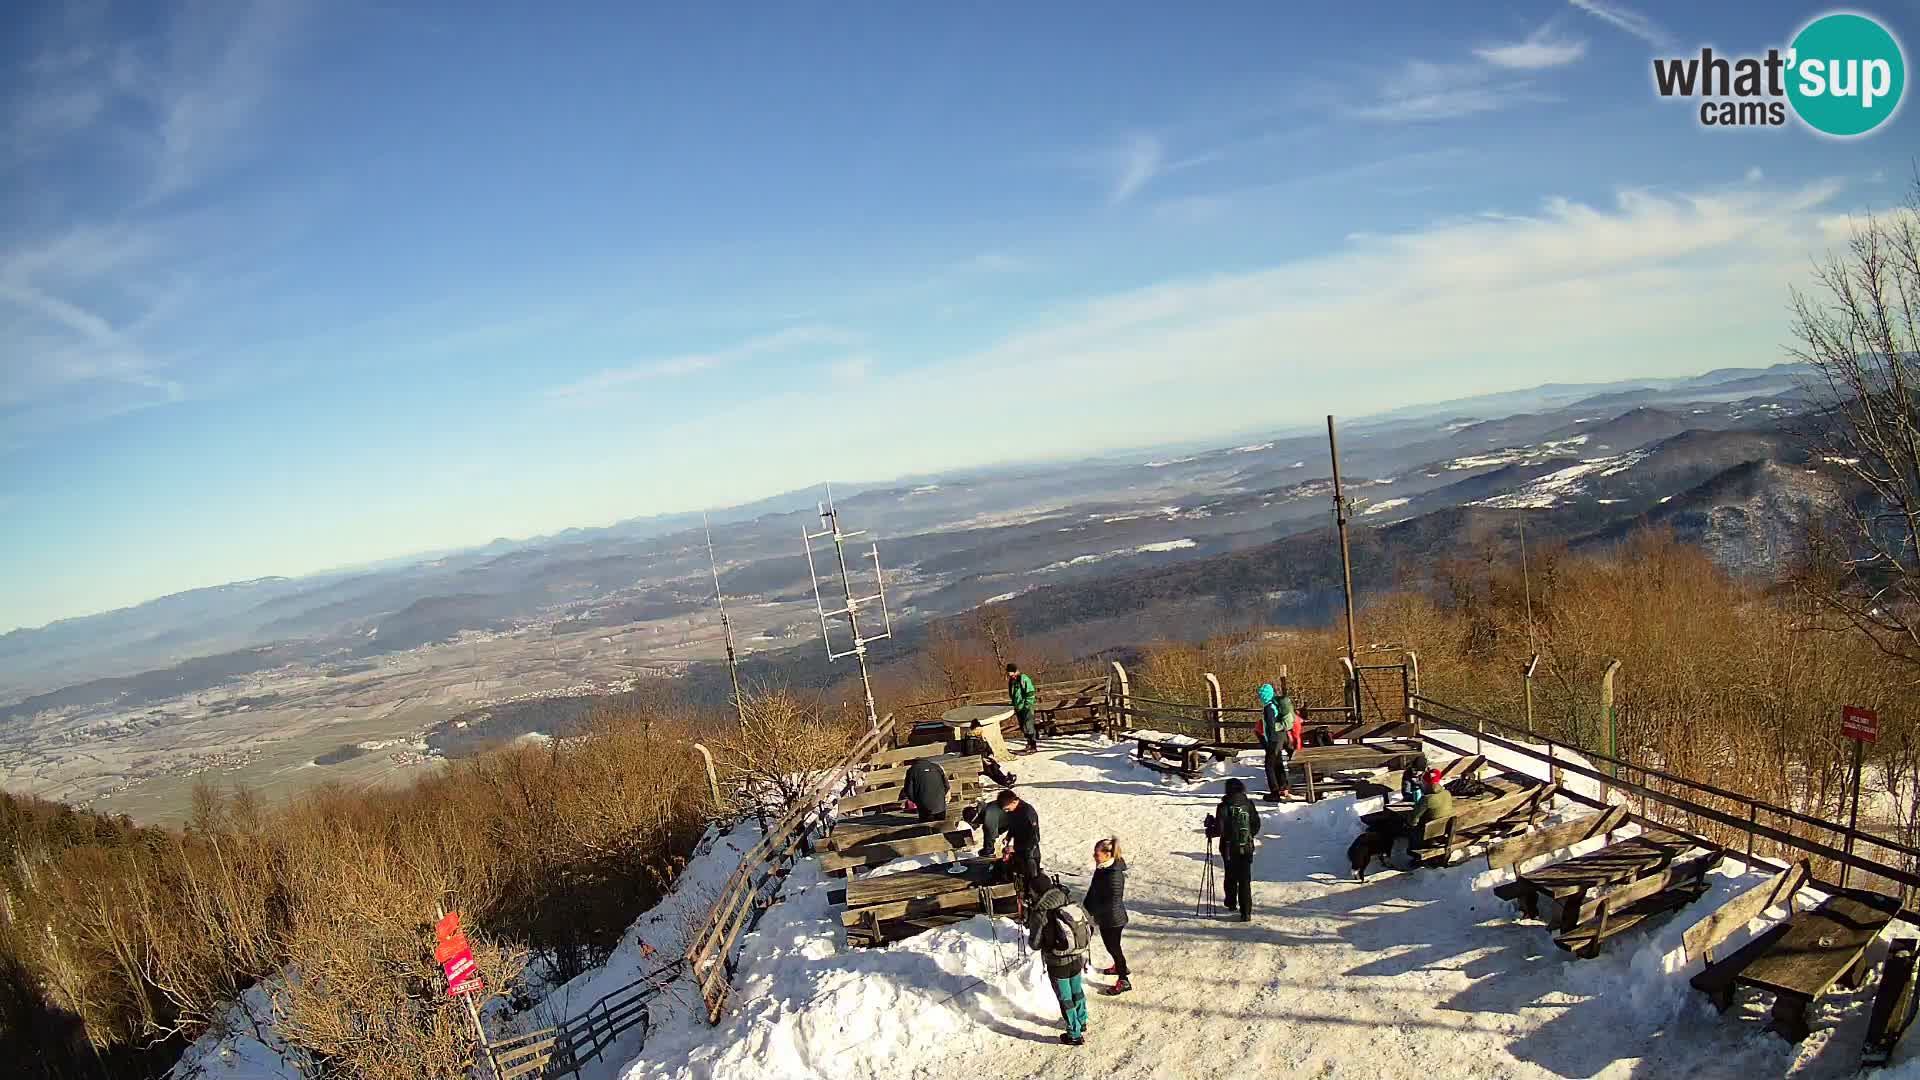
[
  {"x": 830, "y": 517},
  {"x": 1342, "y": 510},
  {"x": 726, "y": 625}
]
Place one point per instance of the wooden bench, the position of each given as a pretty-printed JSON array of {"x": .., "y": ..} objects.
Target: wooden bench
[
  {"x": 1502, "y": 814},
  {"x": 1893, "y": 1005},
  {"x": 896, "y": 906},
  {"x": 1054, "y": 712},
  {"x": 883, "y": 824},
  {"x": 881, "y": 852},
  {"x": 965, "y": 793},
  {"x": 1592, "y": 922},
  {"x": 1798, "y": 960},
  {"x": 1564, "y": 835},
  {"x": 1462, "y": 767},
  {"x": 911, "y": 753},
  {"x": 958, "y": 767},
  {"x": 1175, "y": 757}
]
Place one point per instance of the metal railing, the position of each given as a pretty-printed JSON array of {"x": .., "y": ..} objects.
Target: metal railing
[
  {"x": 563, "y": 1048},
  {"x": 1737, "y": 822}
]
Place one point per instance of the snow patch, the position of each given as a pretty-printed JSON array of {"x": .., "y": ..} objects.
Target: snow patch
[
  {"x": 1385, "y": 505},
  {"x": 1253, "y": 449}
]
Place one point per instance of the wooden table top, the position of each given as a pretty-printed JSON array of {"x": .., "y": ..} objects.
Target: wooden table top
[
  {"x": 970, "y": 715},
  {"x": 918, "y": 882},
  {"x": 1817, "y": 947},
  {"x": 1617, "y": 862}
]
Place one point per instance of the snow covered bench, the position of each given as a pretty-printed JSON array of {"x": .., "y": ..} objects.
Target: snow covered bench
[
  {"x": 878, "y": 910},
  {"x": 1591, "y": 922},
  {"x": 1175, "y": 753}
]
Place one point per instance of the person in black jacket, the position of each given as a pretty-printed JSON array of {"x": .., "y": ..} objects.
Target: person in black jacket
[
  {"x": 1107, "y": 907},
  {"x": 1021, "y": 822},
  {"x": 1236, "y": 823},
  {"x": 926, "y": 789}
]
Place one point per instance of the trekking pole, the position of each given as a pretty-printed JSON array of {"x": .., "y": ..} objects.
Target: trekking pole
[{"x": 1203, "y": 903}]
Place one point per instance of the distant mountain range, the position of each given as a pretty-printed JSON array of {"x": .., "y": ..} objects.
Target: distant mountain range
[{"x": 1707, "y": 455}]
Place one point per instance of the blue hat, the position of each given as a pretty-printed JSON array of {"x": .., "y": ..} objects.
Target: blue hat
[{"x": 1266, "y": 693}]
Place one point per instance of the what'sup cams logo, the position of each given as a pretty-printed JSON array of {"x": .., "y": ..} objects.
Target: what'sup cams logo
[{"x": 1843, "y": 75}]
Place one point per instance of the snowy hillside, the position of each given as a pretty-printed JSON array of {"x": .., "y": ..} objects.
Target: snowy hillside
[{"x": 1408, "y": 975}]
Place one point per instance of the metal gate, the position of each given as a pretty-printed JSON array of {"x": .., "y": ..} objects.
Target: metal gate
[{"x": 1383, "y": 693}]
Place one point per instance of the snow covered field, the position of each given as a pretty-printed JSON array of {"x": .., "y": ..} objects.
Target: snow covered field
[{"x": 1409, "y": 975}]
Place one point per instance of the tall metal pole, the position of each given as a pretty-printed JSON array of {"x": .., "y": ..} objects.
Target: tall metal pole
[
  {"x": 1340, "y": 520},
  {"x": 1853, "y": 819},
  {"x": 726, "y": 626},
  {"x": 1533, "y": 650}
]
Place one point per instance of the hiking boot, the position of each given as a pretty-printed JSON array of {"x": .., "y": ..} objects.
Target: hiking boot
[
  {"x": 1073, "y": 1040},
  {"x": 1120, "y": 987},
  {"x": 1246, "y": 916},
  {"x": 1109, "y": 970}
]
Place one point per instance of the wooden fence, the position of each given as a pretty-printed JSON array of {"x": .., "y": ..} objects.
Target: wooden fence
[
  {"x": 764, "y": 866},
  {"x": 1765, "y": 834}
]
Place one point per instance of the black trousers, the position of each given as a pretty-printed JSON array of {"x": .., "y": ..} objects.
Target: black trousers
[
  {"x": 1110, "y": 937},
  {"x": 1239, "y": 882},
  {"x": 1277, "y": 758}
]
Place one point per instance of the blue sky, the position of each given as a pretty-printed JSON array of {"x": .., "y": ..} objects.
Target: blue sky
[{"x": 286, "y": 285}]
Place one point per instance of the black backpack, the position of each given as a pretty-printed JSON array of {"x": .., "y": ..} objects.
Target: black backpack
[{"x": 1467, "y": 787}]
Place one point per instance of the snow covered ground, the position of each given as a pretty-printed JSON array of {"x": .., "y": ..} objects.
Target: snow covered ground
[{"x": 1422, "y": 975}]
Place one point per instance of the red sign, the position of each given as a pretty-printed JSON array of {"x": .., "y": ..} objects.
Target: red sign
[
  {"x": 455, "y": 956},
  {"x": 1860, "y": 724}
]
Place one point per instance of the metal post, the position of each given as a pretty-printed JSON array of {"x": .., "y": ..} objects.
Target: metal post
[
  {"x": 1753, "y": 821},
  {"x": 726, "y": 627},
  {"x": 1853, "y": 818},
  {"x": 1340, "y": 521}
]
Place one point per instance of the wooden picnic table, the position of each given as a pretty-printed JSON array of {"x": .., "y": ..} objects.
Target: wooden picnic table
[
  {"x": 1801, "y": 959},
  {"x": 984, "y": 722},
  {"x": 1569, "y": 883},
  {"x": 896, "y": 906}
]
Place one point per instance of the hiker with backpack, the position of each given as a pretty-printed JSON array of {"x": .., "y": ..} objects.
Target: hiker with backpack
[
  {"x": 1236, "y": 823},
  {"x": 925, "y": 789},
  {"x": 1280, "y": 736},
  {"x": 1060, "y": 931},
  {"x": 1107, "y": 906}
]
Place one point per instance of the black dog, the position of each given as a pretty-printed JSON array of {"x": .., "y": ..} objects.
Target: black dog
[
  {"x": 1367, "y": 847},
  {"x": 1316, "y": 736}
]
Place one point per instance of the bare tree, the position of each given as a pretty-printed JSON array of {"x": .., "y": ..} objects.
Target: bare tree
[{"x": 1858, "y": 328}]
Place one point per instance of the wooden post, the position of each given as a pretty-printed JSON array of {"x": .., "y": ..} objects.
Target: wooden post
[
  {"x": 1410, "y": 676},
  {"x": 1123, "y": 714},
  {"x": 1606, "y": 710},
  {"x": 1352, "y": 690},
  {"x": 713, "y": 780},
  {"x": 1215, "y": 703}
]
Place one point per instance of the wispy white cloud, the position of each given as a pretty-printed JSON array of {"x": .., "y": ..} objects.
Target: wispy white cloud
[
  {"x": 850, "y": 369},
  {"x": 1540, "y": 50},
  {"x": 788, "y": 340},
  {"x": 1625, "y": 18},
  {"x": 1633, "y": 285},
  {"x": 1422, "y": 90},
  {"x": 211, "y": 86},
  {"x": 1138, "y": 161}
]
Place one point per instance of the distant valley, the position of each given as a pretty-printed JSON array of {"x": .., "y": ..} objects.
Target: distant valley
[{"x": 362, "y": 676}]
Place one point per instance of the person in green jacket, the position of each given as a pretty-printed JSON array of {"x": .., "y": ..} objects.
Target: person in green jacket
[{"x": 1020, "y": 696}]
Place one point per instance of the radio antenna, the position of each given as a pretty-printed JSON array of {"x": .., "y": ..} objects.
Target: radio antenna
[
  {"x": 830, "y": 517},
  {"x": 726, "y": 625}
]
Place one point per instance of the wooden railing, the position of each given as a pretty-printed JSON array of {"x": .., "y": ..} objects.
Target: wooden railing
[{"x": 710, "y": 954}]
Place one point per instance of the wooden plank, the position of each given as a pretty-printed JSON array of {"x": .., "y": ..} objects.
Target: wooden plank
[
  {"x": 1701, "y": 938},
  {"x": 1819, "y": 947},
  {"x": 957, "y": 767},
  {"x": 928, "y": 905},
  {"x": 908, "y": 884},
  {"x": 1564, "y": 835},
  {"x": 1893, "y": 1004},
  {"x": 1380, "y": 755},
  {"x": 1676, "y": 875},
  {"x": 1469, "y": 765},
  {"x": 888, "y": 850},
  {"x": 1585, "y": 941},
  {"x": 909, "y": 754},
  {"x": 887, "y": 825},
  {"x": 963, "y": 794}
]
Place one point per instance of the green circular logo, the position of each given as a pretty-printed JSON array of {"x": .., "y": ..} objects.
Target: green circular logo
[{"x": 1846, "y": 74}]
